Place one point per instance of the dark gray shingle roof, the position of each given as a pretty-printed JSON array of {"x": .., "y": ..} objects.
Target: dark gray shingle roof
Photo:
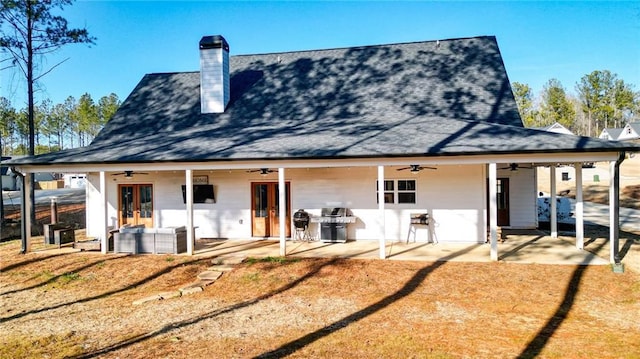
[{"x": 449, "y": 97}]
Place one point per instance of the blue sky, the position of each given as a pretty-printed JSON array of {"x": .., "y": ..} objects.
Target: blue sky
[{"x": 538, "y": 40}]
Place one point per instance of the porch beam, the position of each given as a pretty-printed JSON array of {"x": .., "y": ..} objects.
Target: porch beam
[
  {"x": 553, "y": 209},
  {"x": 104, "y": 230},
  {"x": 381, "y": 217},
  {"x": 282, "y": 208},
  {"x": 26, "y": 212},
  {"x": 579, "y": 207},
  {"x": 189, "y": 204},
  {"x": 480, "y": 159},
  {"x": 493, "y": 210},
  {"x": 614, "y": 211}
]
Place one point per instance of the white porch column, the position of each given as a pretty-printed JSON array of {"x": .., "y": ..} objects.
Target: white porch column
[
  {"x": 381, "y": 218},
  {"x": 282, "y": 211},
  {"x": 614, "y": 207},
  {"x": 579, "y": 207},
  {"x": 189, "y": 199},
  {"x": 104, "y": 228},
  {"x": 26, "y": 205},
  {"x": 553, "y": 210},
  {"x": 493, "y": 210}
]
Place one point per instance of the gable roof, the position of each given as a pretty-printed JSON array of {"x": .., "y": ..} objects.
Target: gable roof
[
  {"x": 555, "y": 127},
  {"x": 434, "y": 98},
  {"x": 630, "y": 131},
  {"x": 611, "y": 133}
]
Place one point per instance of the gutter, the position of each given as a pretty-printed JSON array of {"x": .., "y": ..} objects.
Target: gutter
[{"x": 616, "y": 212}]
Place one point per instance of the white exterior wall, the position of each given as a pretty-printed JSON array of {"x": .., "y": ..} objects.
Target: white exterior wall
[
  {"x": 454, "y": 196},
  {"x": 628, "y": 133},
  {"x": 523, "y": 212}
]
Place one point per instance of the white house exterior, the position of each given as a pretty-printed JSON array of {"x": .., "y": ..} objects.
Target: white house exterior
[
  {"x": 611, "y": 134},
  {"x": 453, "y": 195},
  {"x": 329, "y": 127},
  {"x": 631, "y": 131},
  {"x": 557, "y": 128}
]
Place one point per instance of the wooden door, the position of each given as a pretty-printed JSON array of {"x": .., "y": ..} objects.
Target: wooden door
[
  {"x": 135, "y": 204},
  {"x": 265, "y": 210},
  {"x": 502, "y": 199}
]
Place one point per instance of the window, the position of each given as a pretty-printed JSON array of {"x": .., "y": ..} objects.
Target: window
[{"x": 398, "y": 191}]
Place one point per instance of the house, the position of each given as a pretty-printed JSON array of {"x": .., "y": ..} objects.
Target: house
[
  {"x": 557, "y": 128},
  {"x": 392, "y": 133},
  {"x": 631, "y": 131},
  {"x": 611, "y": 134}
]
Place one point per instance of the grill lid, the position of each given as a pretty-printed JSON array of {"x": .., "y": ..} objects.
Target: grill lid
[{"x": 334, "y": 212}]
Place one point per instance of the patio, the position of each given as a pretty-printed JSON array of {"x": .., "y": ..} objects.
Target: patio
[{"x": 529, "y": 246}]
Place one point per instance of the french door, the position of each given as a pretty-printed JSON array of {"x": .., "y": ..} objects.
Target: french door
[
  {"x": 135, "y": 204},
  {"x": 265, "y": 210}
]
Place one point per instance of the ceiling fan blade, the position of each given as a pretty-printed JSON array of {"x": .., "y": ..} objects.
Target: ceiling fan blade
[{"x": 403, "y": 168}]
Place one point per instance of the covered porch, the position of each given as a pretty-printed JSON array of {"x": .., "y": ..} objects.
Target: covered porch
[{"x": 384, "y": 247}]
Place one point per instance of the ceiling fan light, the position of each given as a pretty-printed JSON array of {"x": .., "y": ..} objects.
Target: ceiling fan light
[{"x": 264, "y": 171}]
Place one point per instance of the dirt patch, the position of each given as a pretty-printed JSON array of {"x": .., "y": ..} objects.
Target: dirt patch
[{"x": 59, "y": 304}]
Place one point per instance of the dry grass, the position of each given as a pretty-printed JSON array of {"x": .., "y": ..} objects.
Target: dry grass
[{"x": 80, "y": 305}]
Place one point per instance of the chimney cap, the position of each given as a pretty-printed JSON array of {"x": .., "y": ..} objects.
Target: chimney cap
[{"x": 214, "y": 42}]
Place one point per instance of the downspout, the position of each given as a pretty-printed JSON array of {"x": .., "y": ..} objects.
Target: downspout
[
  {"x": 23, "y": 214},
  {"x": 616, "y": 210}
]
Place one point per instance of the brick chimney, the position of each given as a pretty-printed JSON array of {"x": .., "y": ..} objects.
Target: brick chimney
[{"x": 214, "y": 74}]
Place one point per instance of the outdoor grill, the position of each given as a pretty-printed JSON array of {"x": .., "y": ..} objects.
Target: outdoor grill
[
  {"x": 301, "y": 219},
  {"x": 301, "y": 222},
  {"x": 333, "y": 224},
  {"x": 420, "y": 218}
]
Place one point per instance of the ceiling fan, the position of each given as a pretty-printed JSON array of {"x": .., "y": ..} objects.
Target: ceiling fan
[
  {"x": 513, "y": 167},
  {"x": 416, "y": 168},
  {"x": 129, "y": 174},
  {"x": 263, "y": 171}
]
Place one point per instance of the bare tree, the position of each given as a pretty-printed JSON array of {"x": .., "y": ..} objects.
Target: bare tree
[{"x": 30, "y": 31}]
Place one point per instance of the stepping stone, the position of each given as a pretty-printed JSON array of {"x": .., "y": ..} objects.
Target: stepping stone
[
  {"x": 209, "y": 275},
  {"x": 191, "y": 290},
  {"x": 169, "y": 295},
  {"x": 229, "y": 259},
  {"x": 222, "y": 268},
  {"x": 146, "y": 299}
]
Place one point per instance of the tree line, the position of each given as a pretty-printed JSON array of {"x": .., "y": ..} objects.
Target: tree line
[
  {"x": 602, "y": 100},
  {"x": 73, "y": 123}
]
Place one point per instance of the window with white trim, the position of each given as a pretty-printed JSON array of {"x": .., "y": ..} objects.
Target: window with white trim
[{"x": 398, "y": 191}]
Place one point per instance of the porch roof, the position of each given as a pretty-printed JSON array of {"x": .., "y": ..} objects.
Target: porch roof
[{"x": 434, "y": 98}]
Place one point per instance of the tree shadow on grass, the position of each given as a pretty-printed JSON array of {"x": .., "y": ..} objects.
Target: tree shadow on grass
[
  {"x": 407, "y": 289},
  {"x": 291, "y": 347},
  {"x": 31, "y": 260},
  {"x": 173, "y": 326},
  {"x": 537, "y": 344},
  {"x": 96, "y": 297}
]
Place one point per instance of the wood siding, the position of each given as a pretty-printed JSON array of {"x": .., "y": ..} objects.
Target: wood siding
[{"x": 453, "y": 195}]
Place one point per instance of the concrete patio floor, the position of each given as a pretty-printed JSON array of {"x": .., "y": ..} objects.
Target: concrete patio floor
[{"x": 529, "y": 246}]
